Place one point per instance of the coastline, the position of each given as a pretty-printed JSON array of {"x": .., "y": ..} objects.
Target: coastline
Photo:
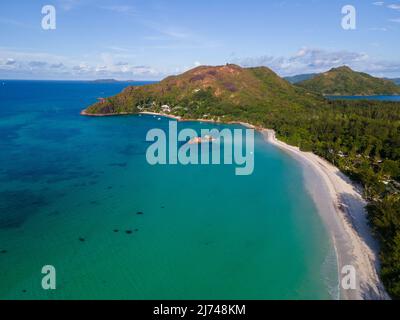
[
  {"x": 341, "y": 205},
  {"x": 342, "y": 208},
  {"x": 99, "y": 115},
  {"x": 179, "y": 119},
  {"x": 169, "y": 116}
]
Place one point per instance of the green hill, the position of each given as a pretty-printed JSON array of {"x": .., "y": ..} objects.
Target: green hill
[
  {"x": 228, "y": 91},
  {"x": 344, "y": 81},
  {"x": 301, "y": 77},
  {"x": 396, "y": 81}
]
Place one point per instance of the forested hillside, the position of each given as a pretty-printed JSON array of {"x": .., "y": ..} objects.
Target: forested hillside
[{"x": 344, "y": 81}]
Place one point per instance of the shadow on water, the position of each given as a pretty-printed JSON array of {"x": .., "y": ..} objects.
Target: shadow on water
[
  {"x": 51, "y": 169},
  {"x": 132, "y": 150},
  {"x": 121, "y": 165},
  {"x": 17, "y": 206},
  {"x": 58, "y": 135},
  {"x": 9, "y": 133}
]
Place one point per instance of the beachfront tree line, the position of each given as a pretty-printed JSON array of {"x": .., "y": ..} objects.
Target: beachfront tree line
[{"x": 362, "y": 138}]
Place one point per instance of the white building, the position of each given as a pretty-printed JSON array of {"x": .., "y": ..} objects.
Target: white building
[{"x": 165, "y": 108}]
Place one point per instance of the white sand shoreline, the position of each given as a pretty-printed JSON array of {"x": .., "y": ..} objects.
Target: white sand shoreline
[{"x": 342, "y": 209}]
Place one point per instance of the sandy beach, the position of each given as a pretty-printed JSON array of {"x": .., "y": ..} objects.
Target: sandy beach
[{"x": 342, "y": 209}]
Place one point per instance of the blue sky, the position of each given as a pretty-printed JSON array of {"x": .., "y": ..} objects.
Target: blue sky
[{"x": 149, "y": 39}]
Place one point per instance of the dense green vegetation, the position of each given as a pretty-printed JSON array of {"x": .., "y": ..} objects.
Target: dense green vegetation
[
  {"x": 396, "y": 81},
  {"x": 300, "y": 77},
  {"x": 344, "y": 81},
  {"x": 362, "y": 138},
  {"x": 214, "y": 91}
]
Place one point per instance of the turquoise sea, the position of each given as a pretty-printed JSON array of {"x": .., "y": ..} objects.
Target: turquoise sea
[{"x": 78, "y": 194}]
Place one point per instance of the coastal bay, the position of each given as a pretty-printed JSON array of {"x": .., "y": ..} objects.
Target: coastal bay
[
  {"x": 341, "y": 205},
  {"x": 202, "y": 232}
]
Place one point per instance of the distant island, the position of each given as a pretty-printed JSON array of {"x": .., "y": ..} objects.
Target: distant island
[
  {"x": 110, "y": 81},
  {"x": 301, "y": 77},
  {"x": 361, "y": 138}
]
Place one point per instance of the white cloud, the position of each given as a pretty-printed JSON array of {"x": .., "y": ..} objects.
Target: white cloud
[
  {"x": 68, "y": 5},
  {"x": 119, "y": 49},
  {"x": 379, "y": 29},
  {"x": 122, "y": 63},
  {"x": 15, "y": 23},
  {"x": 57, "y": 65},
  {"x": 123, "y": 9},
  {"x": 36, "y": 65},
  {"x": 394, "y": 6},
  {"x": 174, "y": 33},
  {"x": 112, "y": 64},
  {"x": 10, "y": 62},
  {"x": 378, "y": 3},
  {"x": 308, "y": 60}
]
